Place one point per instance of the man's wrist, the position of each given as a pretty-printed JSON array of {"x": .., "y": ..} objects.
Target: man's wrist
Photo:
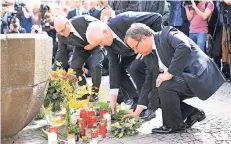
[{"x": 138, "y": 110}]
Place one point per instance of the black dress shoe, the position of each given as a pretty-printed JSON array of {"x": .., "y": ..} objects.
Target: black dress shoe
[
  {"x": 196, "y": 116},
  {"x": 147, "y": 115},
  {"x": 167, "y": 130},
  {"x": 94, "y": 98},
  {"x": 84, "y": 97}
]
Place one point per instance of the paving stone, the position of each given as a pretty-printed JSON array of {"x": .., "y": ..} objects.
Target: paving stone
[{"x": 215, "y": 129}]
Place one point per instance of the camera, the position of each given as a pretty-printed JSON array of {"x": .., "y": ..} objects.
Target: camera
[
  {"x": 47, "y": 26},
  {"x": 188, "y": 2},
  {"x": 14, "y": 22},
  {"x": 43, "y": 10}
]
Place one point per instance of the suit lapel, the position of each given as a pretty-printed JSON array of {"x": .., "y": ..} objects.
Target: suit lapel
[{"x": 159, "y": 49}]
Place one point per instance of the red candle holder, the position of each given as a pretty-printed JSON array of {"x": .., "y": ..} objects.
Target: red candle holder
[
  {"x": 103, "y": 129},
  {"x": 91, "y": 113},
  {"x": 82, "y": 122},
  {"x": 92, "y": 121},
  {"x": 83, "y": 113},
  {"x": 54, "y": 129},
  {"x": 101, "y": 113},
  {"x": 94, "y": 133}
]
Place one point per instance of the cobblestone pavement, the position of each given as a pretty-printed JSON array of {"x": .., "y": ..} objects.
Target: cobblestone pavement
[{"x": 215, "y": 129}]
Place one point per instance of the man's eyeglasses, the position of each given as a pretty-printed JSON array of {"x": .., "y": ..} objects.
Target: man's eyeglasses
[{"x": 135, "y": 47}]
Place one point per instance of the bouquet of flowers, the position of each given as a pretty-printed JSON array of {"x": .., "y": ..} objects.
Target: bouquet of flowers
[{"x": 61, "y": 89}]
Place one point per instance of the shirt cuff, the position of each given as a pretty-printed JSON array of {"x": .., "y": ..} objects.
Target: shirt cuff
[
  {"x": 114, "y": 91},
  {"x": 144, "y": 107}
]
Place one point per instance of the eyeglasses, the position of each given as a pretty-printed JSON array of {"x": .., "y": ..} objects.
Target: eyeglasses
[
  {"x": 63, "y": 30},
  {"x": 135, "y": 47}
]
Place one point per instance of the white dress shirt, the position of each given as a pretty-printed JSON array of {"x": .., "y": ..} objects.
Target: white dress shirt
[{"x": 162, "y": 67}]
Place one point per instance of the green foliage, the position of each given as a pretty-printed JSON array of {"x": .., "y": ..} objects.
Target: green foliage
[
  {"x": 103, "y": 105},
  {"x": 40, "y": 115},
  {"x": 74, "y": 128},
  {"x": 125, "y": 128},
  {"x": 119, "y": 115}
]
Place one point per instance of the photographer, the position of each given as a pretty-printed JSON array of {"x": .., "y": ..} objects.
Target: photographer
[
  {"x": 6, "y": 14},
  {"x": 199, "y": 15},
  {"x": 48, "y": 26},
  {"x": 15, "y": 26},
  {"x": 25, "y": 16}
]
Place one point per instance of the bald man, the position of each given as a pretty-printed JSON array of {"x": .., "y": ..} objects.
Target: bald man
[
  {"x": 72, "y": 32},
  {"x": 121, "y": 58}
]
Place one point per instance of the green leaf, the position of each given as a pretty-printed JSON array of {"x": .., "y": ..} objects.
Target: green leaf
[{"x": 46, "y": 102}]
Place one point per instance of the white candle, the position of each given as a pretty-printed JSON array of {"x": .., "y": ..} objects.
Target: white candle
[
  {"x": 107, "y": 116},
  {"x": 52, "y": 138},
  {"x": 71, "y": 139}
]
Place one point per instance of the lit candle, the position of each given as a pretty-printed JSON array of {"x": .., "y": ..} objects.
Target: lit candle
[
  {"x": 52, "y": 138},
  {"x": 71, "y": 139}
]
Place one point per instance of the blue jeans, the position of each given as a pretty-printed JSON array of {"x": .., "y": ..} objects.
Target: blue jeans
[{"x": 199, "y": 39}]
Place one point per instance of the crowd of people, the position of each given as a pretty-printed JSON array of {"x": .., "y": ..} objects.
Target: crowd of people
[{"x": 156, "y": 53}]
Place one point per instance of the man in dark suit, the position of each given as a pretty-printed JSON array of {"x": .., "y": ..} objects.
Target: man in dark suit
[
  {"x": 121, "y": 57},
  {"x": 93, "y": 10},
  {"x": 120, "y": 6},
  {"x": 78, "y": 11},
  {"x": 186, "y": 72},
  {"x": 72, "y": 32}
]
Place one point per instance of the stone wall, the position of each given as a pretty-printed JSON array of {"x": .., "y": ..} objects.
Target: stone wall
[{"x": 25, "y": 66}]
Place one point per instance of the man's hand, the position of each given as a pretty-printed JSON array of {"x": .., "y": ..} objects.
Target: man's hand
[
  {"x": 113, "y": 103},
  {"x": 84, "y": 70},
  {"x": 130, "y": 115},
  {"x": 90, "y": 47},
  {"x": 163, "y": 77},
  {"x": 135, "y": 114}
]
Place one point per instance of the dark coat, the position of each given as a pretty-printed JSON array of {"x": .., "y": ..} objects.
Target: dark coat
[
  {"x": 119, "y": 25},
  {"x": 183, "y": 58},
  {"x": 120, "y": 6},
  {"x": 80, "y": 23}
]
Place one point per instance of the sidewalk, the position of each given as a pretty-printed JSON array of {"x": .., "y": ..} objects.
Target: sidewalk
[{"x": 215, "y": 129}]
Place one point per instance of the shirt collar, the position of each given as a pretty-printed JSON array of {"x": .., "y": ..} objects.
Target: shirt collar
[
  {"x": 113, "y": 34},
  {"x": 153, "y": 43},
  {"x": 72, "y": 28}
]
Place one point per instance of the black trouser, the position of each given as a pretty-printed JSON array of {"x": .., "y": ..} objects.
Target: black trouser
[
  {"x": 127, "y": 87},
  {"x": 172, "y": 93},
  {"x": 137, "y": 71},
  {"x": 80, "y": 57}
]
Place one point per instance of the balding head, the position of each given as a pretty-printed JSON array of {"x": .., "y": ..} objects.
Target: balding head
[
  {"x": 99, "y": 33},
  {"x": 62, "y": 26}
]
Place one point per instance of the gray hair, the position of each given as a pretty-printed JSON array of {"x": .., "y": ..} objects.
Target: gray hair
[
  {"x": 96, "y": 28},
  {"x": 137, "y": 30}
]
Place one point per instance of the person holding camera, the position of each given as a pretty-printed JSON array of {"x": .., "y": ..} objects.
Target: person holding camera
[
  {"x": 199, "y": 15},
  {"x": 48, "y": 27},
  {"x": 15, "y": 26},
  {"x": 24, "y": 16}
]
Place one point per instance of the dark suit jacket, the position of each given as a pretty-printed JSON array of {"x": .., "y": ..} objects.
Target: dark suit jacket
[
  {"x": 80, "y": 24},
  {"x": 120, "y": 6},
  {"x": 73, "y": 13},
  {"x": 183, "y": 58},
  {"x": 152, "y": 6},
  {"x": 95, "y": 13},
  {"x": 120, "y": 24}
]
